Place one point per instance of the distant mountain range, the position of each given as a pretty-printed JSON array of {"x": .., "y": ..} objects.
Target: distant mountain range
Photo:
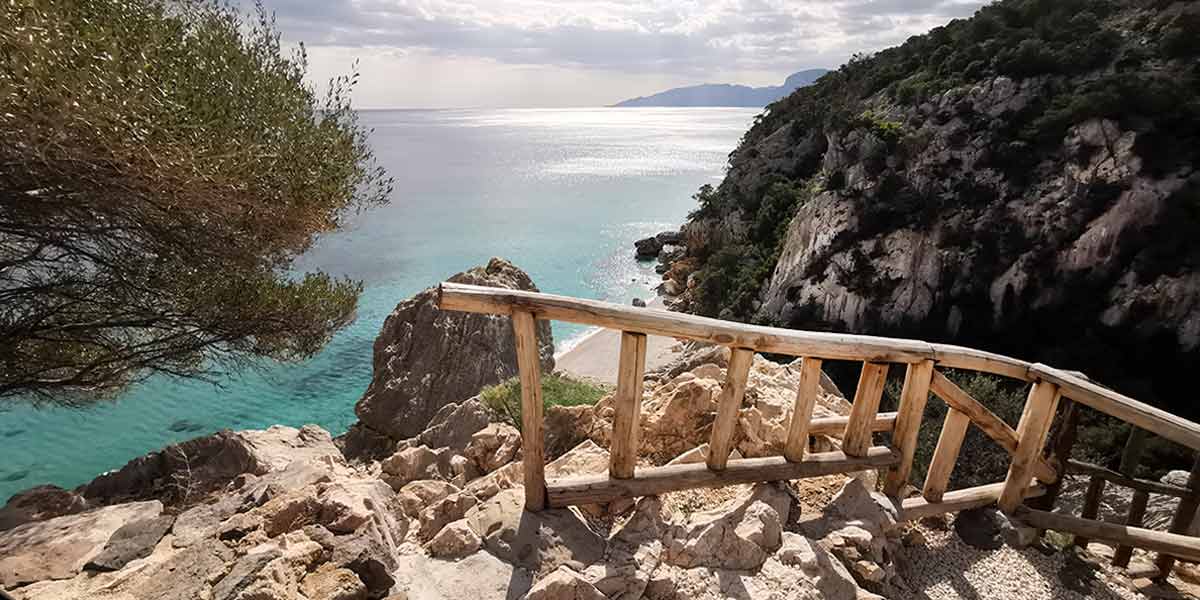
[{"x": 725, "y": 94}]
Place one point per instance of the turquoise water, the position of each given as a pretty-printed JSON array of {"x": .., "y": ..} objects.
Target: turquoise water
[{"x": 561, "y": 193}]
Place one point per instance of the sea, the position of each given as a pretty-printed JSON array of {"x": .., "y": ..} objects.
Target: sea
[{"x": 563, "y": 193}]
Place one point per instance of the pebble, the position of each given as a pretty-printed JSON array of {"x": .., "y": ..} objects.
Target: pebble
[{"x": 945, "y": 568}]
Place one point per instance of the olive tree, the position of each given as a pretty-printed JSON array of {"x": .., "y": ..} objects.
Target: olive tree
[{"x": 162, "y": 164}]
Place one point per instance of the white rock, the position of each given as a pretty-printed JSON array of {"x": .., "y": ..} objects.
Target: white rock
[
  {"x": 564, "y": 584},
  {"x": 455, "y": 540},
  {"x": 59, "y": 548}
]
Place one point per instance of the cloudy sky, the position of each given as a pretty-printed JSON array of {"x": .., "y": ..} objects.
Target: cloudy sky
[{"x": 552, "y": 53}]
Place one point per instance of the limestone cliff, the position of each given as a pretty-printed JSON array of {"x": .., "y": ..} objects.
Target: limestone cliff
[
  {"x": 425, "y": 359},
  {"x": 1022, "y": 181}
]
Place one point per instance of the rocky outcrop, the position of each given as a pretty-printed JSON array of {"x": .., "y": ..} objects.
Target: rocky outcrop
[
  {"x": 449, "y": 522},
  {"x": 1028, "y": 208},
  {"x": 740, "y": 536},
  {"x": 678, "y": 410},
  {"x": 135, "y": 539},
  {"x": 40, "y": 503},
  {"x": 60, "y": 547},
  {"x": 425, "y": 358},
  {"x": 184, "y": 473}
]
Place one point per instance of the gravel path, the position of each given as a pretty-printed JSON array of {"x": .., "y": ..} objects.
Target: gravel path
[{"x": 945, "y": 568}]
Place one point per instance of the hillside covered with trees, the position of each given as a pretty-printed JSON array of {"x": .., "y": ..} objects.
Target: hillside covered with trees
[{"x": 1023, "y": 180}]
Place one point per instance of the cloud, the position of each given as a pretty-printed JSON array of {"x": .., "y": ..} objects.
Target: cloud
[
  {"x": 693, "y": 40},
  {"x": 660, "y": 34}
]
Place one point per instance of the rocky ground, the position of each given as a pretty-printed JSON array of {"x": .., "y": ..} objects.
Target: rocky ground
[
  {"x": 292, "y": 514},
  {"x": 433, "y": 523}
]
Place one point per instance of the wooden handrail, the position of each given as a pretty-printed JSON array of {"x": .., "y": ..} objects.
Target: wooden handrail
[
  {"x": 1156, "y": 421},
  {"x": 1172, "y": 544},
  {"x": 1029, "y": 471},
  {"x": 650, "y": 481},
  {"x": 1133, "y": 483},
  {"x": 833, "y": 346},
  {"x": 829, "y": 346},
  {"x": 987, "y": 421}
]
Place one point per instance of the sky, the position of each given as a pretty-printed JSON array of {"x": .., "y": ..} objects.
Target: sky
[{"x": 569, "y": 53}]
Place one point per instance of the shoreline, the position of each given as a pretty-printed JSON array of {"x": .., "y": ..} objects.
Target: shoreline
[{"x": 594, "y": 355}]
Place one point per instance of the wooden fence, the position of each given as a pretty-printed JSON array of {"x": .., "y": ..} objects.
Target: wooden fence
[{"x": 1032, "y": 472}]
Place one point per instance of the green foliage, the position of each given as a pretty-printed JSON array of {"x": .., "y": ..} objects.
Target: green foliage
[
  {"x": 734, "y": 274},
  {"x": 1124, "y": 97},
  {"x": 504, "y": 399},
  {"x": 164, "y": 163},
  {"x": 708, "y": 202},
  {"x": 980, "y": 459},
  {"x": 889, "y": 132}
]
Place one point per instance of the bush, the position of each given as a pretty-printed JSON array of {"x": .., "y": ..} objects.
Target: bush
[
  {"x": 504, "y": 399},
  {"x": 165, "y": 162}
]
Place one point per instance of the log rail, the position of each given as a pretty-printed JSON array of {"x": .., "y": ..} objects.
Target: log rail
[{"x": 1034, "y": 474}]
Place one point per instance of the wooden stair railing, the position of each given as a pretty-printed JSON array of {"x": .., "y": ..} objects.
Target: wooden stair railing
[{"x": 1031, "y": 474}]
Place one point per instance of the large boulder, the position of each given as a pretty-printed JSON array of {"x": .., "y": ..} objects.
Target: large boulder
[
  {"x": 426, "y": 358},
  {"x": 677, "y": 414},
  {"x": 455, "y": 424},
  {"x": 564, "y": 584},
  {"x": 738, "y": 536},
  {"x": 60, "y": 547},
  {"x": 134, "y": 540},
  {"x": 539, "y": 542},
  {"x": 186, "y": 471},
  {"x": 40, "y": 503}
]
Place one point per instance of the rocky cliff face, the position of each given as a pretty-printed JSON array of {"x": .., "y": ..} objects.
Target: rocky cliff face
[
  {"x": 1022, "y": 181},
  {"x": 279, "y": 515},
  {"x": 426, "y": 359}
]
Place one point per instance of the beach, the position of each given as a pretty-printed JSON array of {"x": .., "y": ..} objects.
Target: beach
[{"x": 595, "y": 356}]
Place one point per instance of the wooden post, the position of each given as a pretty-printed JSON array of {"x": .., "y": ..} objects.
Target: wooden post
[
  {"x": 721, "y": 442},
  {"x": 1091, "y": 506},
  {"x": 1064, "y": 442},
  {"x": 1137, "y": 509},
  {"x": 532, "y": 440},
  {"x": 857, "y": 439},
  {"x": 1181, "y": 523},
  {"x": 1134, "y": 446},
  {"x": 631, "y": 370},
  {"x": 806, "y": 398},
  {"x": 987, "y": 421},
  {"x": 1031, "y": 438},
  {"x": 908, "y": 422},
  {"x": 937, "y": 479}
]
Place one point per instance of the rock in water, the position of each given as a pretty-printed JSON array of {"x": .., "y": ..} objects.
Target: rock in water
[
  {"x": 426, "y": 358},
  {"x": 648, "y": 247}
]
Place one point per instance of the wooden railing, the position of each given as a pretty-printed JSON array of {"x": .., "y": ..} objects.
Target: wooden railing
[{"x": 1032, "y": 473}]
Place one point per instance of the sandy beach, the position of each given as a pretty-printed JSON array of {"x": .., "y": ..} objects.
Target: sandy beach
[{"x": 595, "y": 357}]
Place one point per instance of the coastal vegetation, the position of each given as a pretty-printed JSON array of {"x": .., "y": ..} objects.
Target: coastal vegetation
[
  {"x": 163, "y": 163},
  {"x": 1092, "y": 65},
  {"x": 1021, "y": 181},
  {"x": 504, "y": 398}
]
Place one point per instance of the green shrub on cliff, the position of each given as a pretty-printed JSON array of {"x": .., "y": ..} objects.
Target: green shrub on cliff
[
  {"x": 735, "y": 273},
  {"x": 1115, "y": 59},
  {"x": 163, "y": 164},
  {"x": 504, "y": 399}
]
